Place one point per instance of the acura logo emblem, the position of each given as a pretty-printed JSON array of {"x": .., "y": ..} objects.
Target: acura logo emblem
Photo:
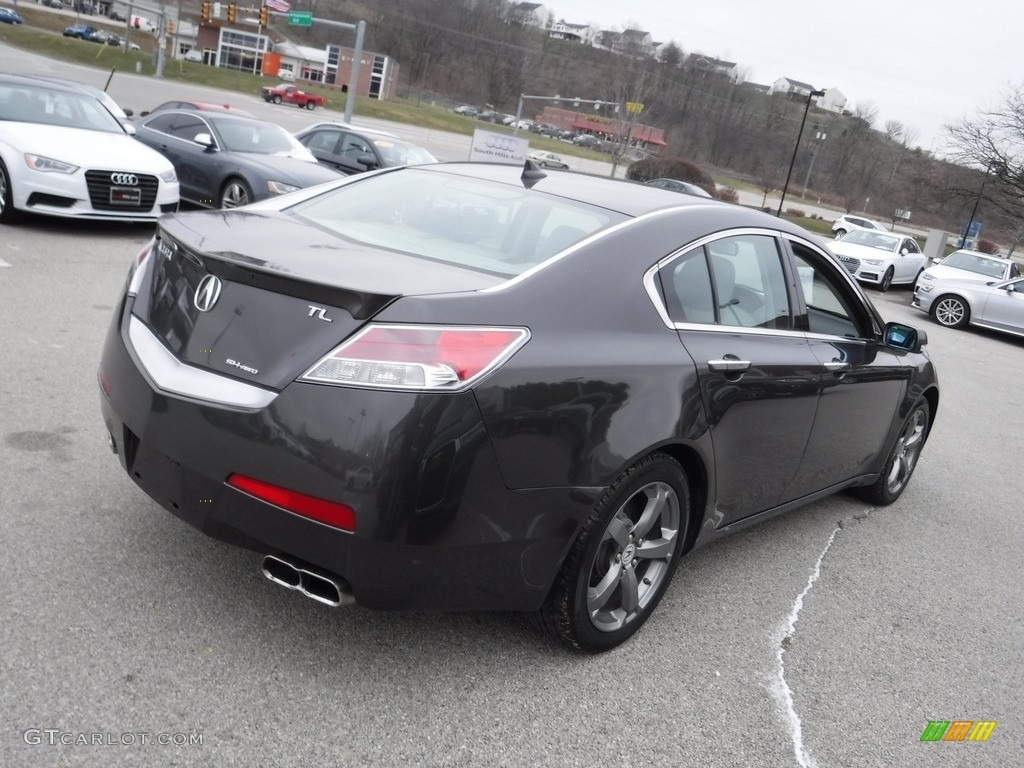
[
  {"x": 207, "y": 293},
  {"x": 125, "y": 179}
]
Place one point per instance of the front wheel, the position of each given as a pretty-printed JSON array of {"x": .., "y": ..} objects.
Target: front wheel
[
  {"x": 235, "y": 193},
  {"x": 623, "y": 559},
  {"x": 951, "y": 311},
  {"x": 840, "y": 233},
  {"x": 886, "y": 281},
  {"x": 276, "y": 99},
  {"x": 902, "y": 459},
  {"x": 8, "y": 213}
]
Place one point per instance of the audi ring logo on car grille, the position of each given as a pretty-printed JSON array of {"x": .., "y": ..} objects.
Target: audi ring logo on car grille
[
  {"x": 207, "y": 293},
  {"x": 124, "y": 179},
  {"x": 496, "y": 142}
]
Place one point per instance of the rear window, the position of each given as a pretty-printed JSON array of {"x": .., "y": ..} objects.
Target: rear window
[{"x": 487, "y": 226}]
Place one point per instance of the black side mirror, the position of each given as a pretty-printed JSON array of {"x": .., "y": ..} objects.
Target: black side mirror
[
  {"x": 369, "y": 161},
  {"x": 905, "y": 337}
]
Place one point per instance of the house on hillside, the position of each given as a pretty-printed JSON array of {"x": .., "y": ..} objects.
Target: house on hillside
[
  {"x": 635, "y": 42},
  {"x": 793, "y": 88},
  {"x": 534, "y": 14},
  {"x": 574, "y": 33},
  {"x": 698, "y": 62},
  {"x": 833, "y": 101}
]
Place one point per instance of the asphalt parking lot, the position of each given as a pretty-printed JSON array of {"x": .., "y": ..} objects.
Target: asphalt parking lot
[{"x": 828, "y": 637}]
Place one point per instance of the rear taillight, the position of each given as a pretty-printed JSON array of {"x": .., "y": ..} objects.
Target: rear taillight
[
  {"x": 135, "y": 271},
  {"x": 328, "y": 512},
  {"x": 423, "y": 357}
]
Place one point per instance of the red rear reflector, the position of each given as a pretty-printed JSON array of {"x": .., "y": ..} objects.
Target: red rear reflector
[{"x": 321, "y": 510}]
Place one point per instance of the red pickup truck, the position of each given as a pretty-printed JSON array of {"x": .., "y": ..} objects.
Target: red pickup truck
[{"x": 292, "y": 95}]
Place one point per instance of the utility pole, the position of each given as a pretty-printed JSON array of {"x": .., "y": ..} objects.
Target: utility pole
[{"x": 807, "y": 107}]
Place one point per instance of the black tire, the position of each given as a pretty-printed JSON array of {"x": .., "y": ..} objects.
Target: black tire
[
  {"x": 276, "y": 99},
  {"x": 614, "y": 576},
  {"x": 8, "y": 213},
  {"x": 899, "y": 466},
  {"x": 310, "y": 105},
  {"x": 913, "y": 285},
  {"x": 234, "y": 193},
  {"x": 886, "y": 280},
  {"x": 951, "y": 311},
  {"x": 840, "y": 233}
]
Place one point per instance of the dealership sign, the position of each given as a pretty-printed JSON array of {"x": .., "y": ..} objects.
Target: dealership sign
[{"x": 490, "y": 147}]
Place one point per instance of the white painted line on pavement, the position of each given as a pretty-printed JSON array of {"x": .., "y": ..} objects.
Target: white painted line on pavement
[{"x": 4, "y": 263}]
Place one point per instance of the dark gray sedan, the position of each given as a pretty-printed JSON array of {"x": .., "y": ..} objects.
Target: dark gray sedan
[{"x": 224, "y": 161}]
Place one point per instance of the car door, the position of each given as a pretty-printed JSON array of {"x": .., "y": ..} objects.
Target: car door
[
  {"x": 759, "y": 379},
  {"x": 862, "y": 383},
  {"x": 199, "y": 167},
  {"x": 911, "y": 262},
  {"x": 1004, "y": 307}
]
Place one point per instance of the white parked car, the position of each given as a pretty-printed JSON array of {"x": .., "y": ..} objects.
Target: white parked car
[
  {"x": 548, "y": 160},
  {"x": 848, "y": 223},
  {"x": 880, "y": 258},
  {"x": 971, "y": 266},
  {"x": 957, "y": 303},
  {"x": 62, "y": 153}
]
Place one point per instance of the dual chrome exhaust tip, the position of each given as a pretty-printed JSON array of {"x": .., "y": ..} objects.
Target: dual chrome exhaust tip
[{"x": 319, "y": 585}]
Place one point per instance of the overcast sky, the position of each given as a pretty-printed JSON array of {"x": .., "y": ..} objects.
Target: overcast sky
[{"x": 925, "y": 64}]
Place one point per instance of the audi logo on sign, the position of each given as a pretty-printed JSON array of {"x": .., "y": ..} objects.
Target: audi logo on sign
[
  {"x": 506, "y": 145},
  {"x": 124, "y": 179}
]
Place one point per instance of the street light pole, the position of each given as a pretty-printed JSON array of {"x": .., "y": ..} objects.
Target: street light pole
[
  {"x": 799, "y": 135},
  {"x": 974, "y": 211}
]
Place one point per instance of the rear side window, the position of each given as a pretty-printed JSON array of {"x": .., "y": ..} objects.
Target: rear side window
[{"x": 736, "y": 281}]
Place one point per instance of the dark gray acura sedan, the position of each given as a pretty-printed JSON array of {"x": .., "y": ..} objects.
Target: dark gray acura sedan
[{"x": 471, "y": 386}]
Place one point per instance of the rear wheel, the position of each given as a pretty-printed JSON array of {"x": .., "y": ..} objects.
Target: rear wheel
[
  {"x": 623, "y": 559},
  {"x": 902, "y": 459},
  {"x": 951, "y": 311},
  {"x": 310, "y": 105},
  {"x": 8, "y": 213},
  {"x": 917, "y": 277},
  {"x": 886, "y": 280},
  {"x": 235, "y": 193}
]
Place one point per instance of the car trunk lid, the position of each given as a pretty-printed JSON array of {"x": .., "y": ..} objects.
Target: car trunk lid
[{"x": 262, "y": 296}]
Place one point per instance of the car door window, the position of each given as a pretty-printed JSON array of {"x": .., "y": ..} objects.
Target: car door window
[
  {"x": 354, "y": 146},
  {"x": 161, "y": 123},
  {"x": 187, "y": 127},
  {"x": 324, "y": 141},
  {"x": 736, "y": 281},
  {"x": 832, "y": 306}
]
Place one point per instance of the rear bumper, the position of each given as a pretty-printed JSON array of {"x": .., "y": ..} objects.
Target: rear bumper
[{"x": 436, "y": 529}]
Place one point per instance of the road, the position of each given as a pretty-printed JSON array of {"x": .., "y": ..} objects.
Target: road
[{"x": 120, "y": 620}]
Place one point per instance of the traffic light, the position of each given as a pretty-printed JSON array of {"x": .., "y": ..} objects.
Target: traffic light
[
  {"x": 206, "y": 11},
  {"x": 264, "y": 15},
  {"x": 232, "y": 13}
]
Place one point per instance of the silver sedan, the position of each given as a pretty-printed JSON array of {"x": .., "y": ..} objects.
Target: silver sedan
[{"x": 957, "y": 303}]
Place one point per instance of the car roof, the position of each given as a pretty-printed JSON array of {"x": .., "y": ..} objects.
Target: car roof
[
  {"x": 993, "y": 256},
  {"x": 350, "y": 127},
  {"x": 52, "y": 82},
  {"x": 599, "y": 191}
]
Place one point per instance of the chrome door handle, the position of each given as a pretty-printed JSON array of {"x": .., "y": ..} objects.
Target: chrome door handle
[{"x": 734, "y": 365}]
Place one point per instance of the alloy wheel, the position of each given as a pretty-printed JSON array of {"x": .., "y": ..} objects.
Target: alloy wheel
[
  {"x": 633, "y": 558},
  {"x": 906, "y": 452},
  {"x": 235, "y": 194},
  {"x": 950, "y": 311}
]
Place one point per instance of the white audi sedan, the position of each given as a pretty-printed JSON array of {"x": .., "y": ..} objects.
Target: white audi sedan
[
  {"x": 62, "y": 153},
  {"x": 880, "y": 258}
]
